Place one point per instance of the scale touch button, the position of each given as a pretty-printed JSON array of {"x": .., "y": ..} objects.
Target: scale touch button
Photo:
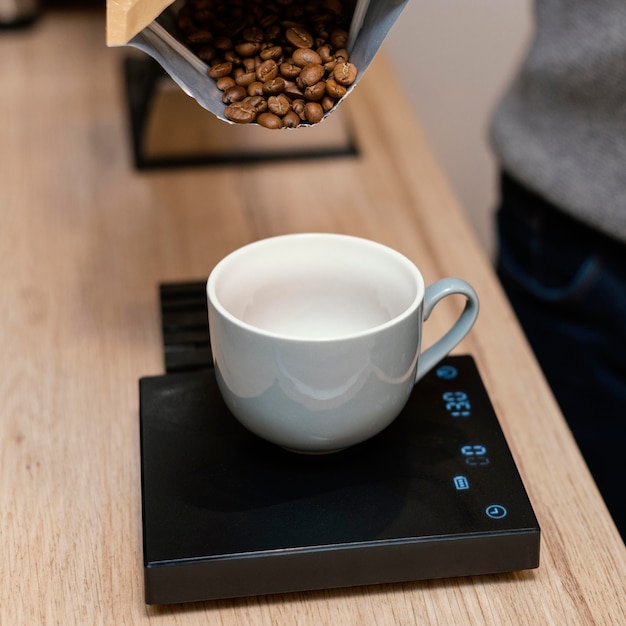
[
  {"x": 461, "y": 483},
  {"x": 496, "y": 511},
  {"x": 447, "y": 372}
]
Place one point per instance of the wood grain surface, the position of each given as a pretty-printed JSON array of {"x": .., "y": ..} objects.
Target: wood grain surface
[{"x": 85, "y": 239}]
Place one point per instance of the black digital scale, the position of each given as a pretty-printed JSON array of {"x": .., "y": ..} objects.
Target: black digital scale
[{"x": 226, "y": 514}]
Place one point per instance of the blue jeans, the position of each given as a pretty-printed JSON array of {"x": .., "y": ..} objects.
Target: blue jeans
[{"x": 567, "y": 285}]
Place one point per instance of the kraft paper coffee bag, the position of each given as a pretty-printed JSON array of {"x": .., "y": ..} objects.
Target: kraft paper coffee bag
[{"x": 154, "y": 26}]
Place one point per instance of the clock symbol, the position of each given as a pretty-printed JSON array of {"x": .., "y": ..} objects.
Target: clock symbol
[{"x": 496, "y": 511}]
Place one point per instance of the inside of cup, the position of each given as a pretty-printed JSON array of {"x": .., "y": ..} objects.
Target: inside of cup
[{"x": 316, "y": 286}]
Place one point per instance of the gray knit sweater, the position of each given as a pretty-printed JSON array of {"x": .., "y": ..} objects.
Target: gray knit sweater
[{"x": 561, "y": 127}]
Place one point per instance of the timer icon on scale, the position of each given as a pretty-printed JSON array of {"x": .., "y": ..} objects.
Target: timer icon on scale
[{"x": 496, "y": 511}]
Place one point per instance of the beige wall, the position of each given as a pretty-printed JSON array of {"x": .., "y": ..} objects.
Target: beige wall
[{"x": 455, "y": 58}]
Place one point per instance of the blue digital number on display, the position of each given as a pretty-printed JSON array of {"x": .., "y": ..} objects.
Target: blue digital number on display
[
  {"x": 457, "y": 403},
  {"x": 475, "y": 455}
]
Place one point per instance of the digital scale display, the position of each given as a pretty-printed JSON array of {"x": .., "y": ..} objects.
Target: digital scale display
[{"x": 226, "y": 514}]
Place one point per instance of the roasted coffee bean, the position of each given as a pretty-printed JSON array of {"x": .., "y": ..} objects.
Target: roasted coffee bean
[
  {"x": 315, "y": 92},
  {"x": 255, "y": 88},
  {"x": 273, "y": 52},
  {"x": 240, "y": 112},
  {"x": 279, "y": 105},
  {"x": 310, "y": 74},
  {"x": 199, "y": 37},
  {"x": 259, "y": 103},
  {"x": 291, "y": 119},
  {"x": 299, "y": 37},
  {"x": 292, "y": 90},
  {"x": 345, "y": 73},
  {"x": 223, "y": 43},
  {"x": 268, "y": 70},
  {"x": 220, "y": 69},
  {"x": 335, "y": 6},
  {"x": 244, "y": 78},
  {"x": 325, "y": 54},
  {"x": 289, "y": 70},
  {"x": 304, "y": 56},
  {"x": 269, "y": 120},
  {"x": 313, "y": 112},
  {"x": 339, "y": 38},
  {"x": 286, "y": 24},
  {"x": 298, "y": 106},
  {"x": 232, "y": 57},
  {"x": 252, "y": 34},
  {"x": 268, "y": 20},
  {"x": 327, "y": 103},
  {"x": 273, "y": 33},
  {"x": 234, "y": 94},
  {"x": 225, "y": 82},
  {"x": 334, "y": 89},
  {"x": 248, "y": 49},
  {"x": 206, "y": 53},
  {"x": 274, "y": 86},
  {"x": 341, "y": 55}
]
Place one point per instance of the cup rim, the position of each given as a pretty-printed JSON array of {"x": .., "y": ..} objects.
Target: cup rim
[{"x": 215, "y": 302}]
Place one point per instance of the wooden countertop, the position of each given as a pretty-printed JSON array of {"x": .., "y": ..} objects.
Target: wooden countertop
[{"x": 84, "y": 241}]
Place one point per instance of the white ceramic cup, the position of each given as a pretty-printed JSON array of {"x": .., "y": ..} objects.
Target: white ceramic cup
[{"x": 316, "y": 338}]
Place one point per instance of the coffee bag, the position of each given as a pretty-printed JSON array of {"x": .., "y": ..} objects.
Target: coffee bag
[{"x": 156, "y": 29}]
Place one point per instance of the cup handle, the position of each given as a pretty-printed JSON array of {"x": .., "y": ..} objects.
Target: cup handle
[{"x": 441, "y": 348}]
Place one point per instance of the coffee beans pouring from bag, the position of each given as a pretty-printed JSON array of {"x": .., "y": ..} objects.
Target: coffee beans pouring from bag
[{"x": 280, "y": 63}]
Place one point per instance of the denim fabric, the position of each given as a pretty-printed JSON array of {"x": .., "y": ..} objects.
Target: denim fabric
[{"x": 567, "y": 285}]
